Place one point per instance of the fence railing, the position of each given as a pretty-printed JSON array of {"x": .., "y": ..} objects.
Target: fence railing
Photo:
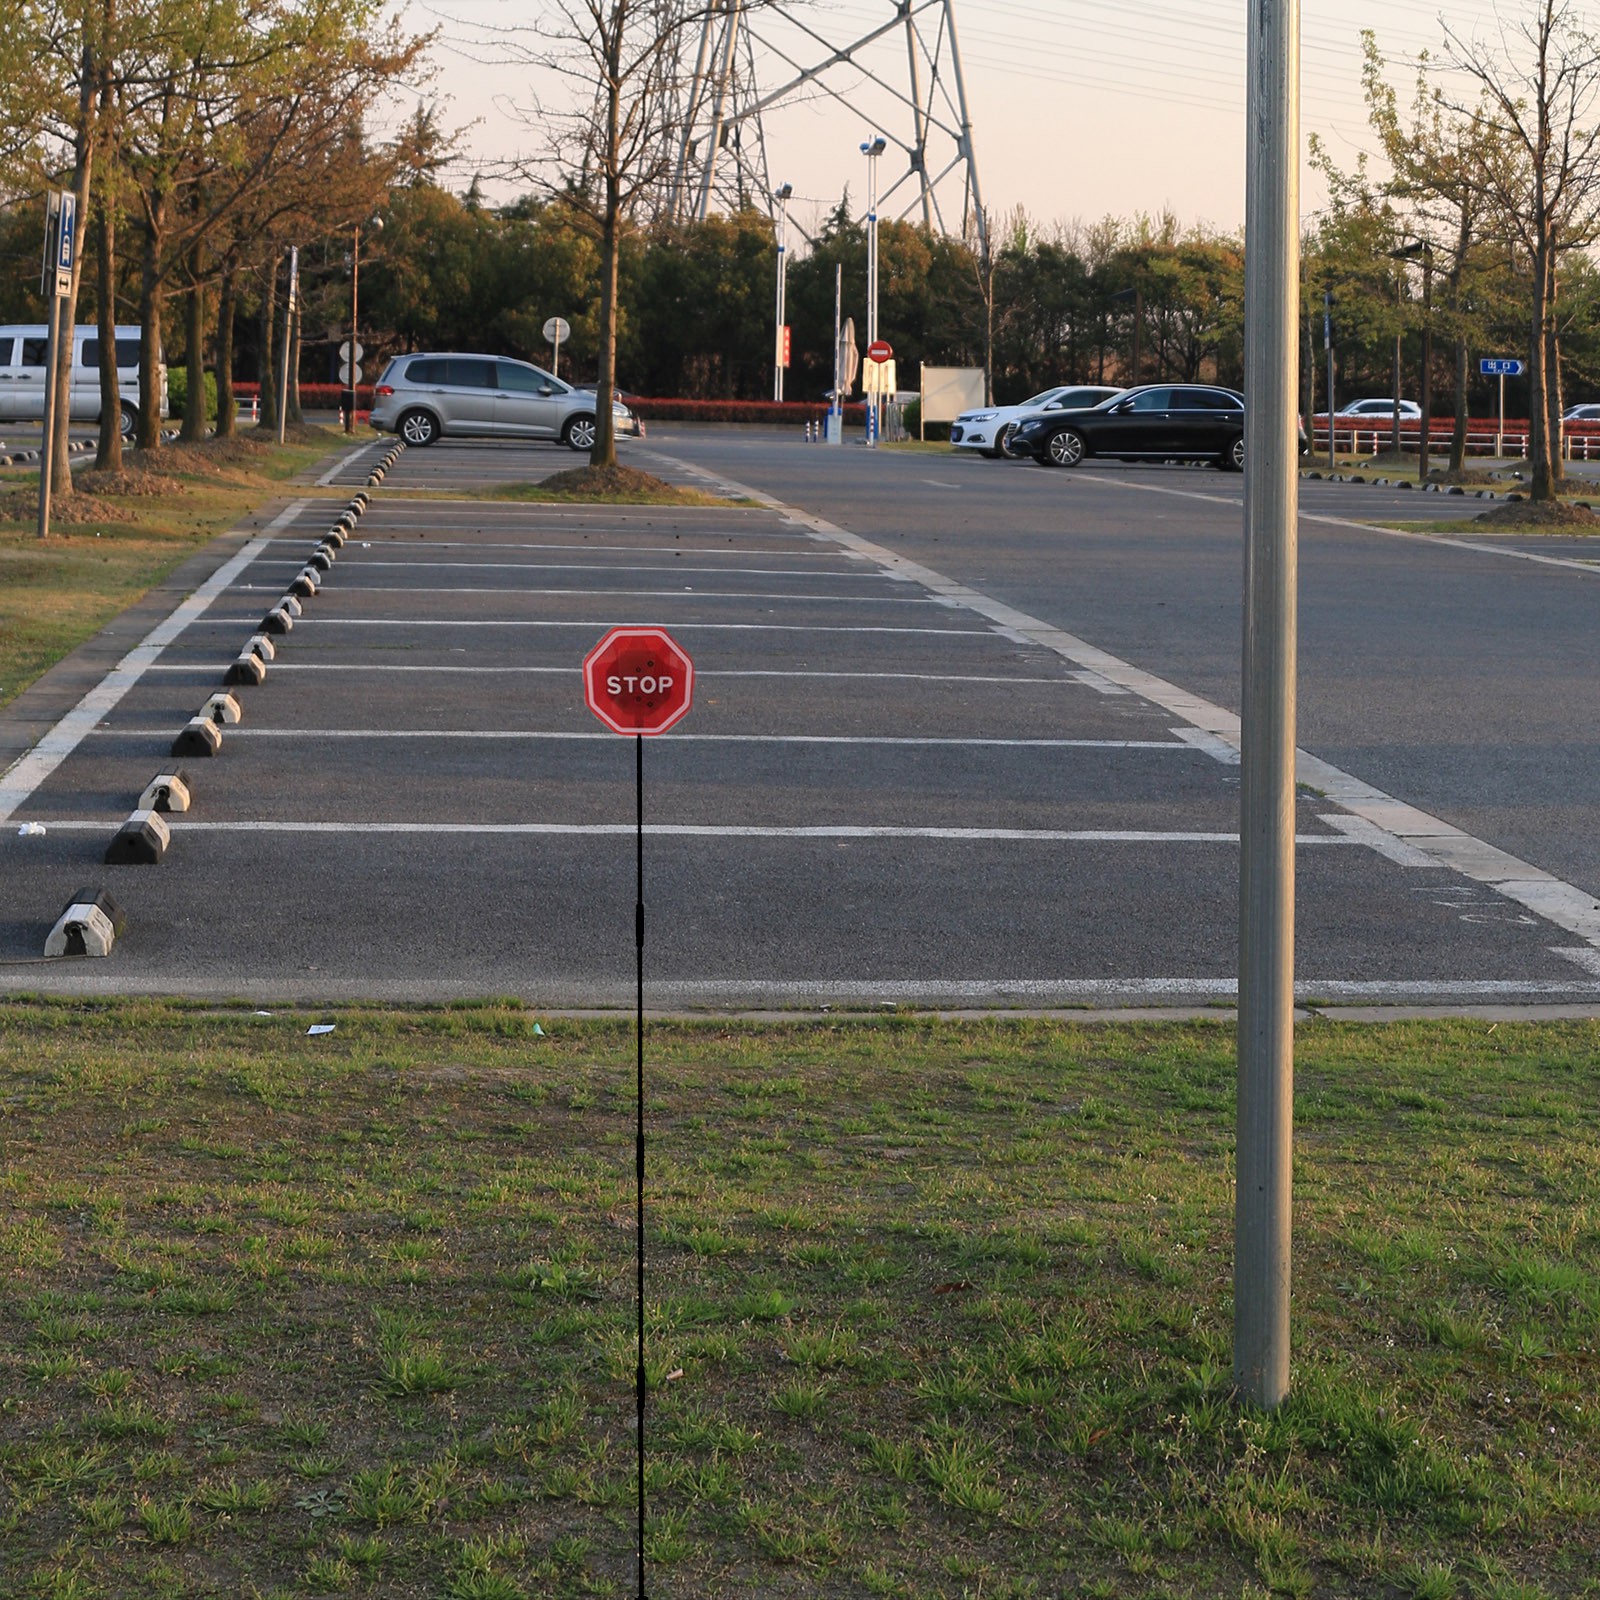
[{"x": 1580, "y": 441}]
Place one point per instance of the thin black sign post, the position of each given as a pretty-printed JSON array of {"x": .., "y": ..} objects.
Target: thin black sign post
[{"x": 638, "y": 681}]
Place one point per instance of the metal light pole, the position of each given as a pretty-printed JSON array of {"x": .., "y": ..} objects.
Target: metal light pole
[
  {"x": 872, "y": 150},
  {"x": 1327, "y": 349},
  {"x": 288, "y": 339},
  {"x": 780, "y": 355},
  {"x": 1266, "y": 809}
]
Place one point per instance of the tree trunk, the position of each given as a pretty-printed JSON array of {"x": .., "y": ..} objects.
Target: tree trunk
[
  {"x": 604, "y": 452},
  {"x": 61, "y": 465},
  {"x": 194, "y": 398},
  {"x": 1542, "y": 482},
  {"x": 226, "y": 407},
  {"x": 267, "y": 368},
  {"x": 1553, "y": 394},
  {"x": 148, "y": 436},
  {"x": 108, "y": 457},
  {"x": 1458, "y": 434}
]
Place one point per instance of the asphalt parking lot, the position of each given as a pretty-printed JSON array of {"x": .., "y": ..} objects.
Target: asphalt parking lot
[{"x": 893, "y": 786}]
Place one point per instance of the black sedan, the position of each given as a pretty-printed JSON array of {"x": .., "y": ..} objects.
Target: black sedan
[{"x": 1157, "y": 422}]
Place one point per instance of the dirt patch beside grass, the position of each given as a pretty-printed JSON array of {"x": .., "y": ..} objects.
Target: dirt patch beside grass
[
  {"x": 129, "y": 480},
  {"x": 1540, "y": 514},
  {"x": 614, "y": 485}
]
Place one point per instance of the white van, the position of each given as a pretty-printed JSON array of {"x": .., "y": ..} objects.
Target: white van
[{"x": 22, "y": 352}]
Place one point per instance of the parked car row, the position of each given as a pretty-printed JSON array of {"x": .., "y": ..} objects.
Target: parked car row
[{"x": 989, "y": 428}]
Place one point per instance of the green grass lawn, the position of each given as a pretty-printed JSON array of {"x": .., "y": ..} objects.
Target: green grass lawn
[{"x": 933, "y": 1309}]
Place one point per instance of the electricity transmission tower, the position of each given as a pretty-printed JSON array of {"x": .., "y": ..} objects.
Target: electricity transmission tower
[{"x": 753, "y": 57}]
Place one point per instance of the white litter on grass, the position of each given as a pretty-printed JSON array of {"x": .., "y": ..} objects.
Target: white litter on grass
[
  {"x": 260, "y": 1013},
  {"x": 31, "y": 830},
  {"x": 538, "y": 1030},
  {"x": 321, "y": 1027}
]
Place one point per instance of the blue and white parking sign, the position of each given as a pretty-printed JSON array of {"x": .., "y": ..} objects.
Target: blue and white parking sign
[
  {"x": 67, "y": 232},
  {"x": 1500, "y": 367}
]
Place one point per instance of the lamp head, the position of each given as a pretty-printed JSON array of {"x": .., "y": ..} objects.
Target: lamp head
[
  {"x": 786, "y": 191},
  {"x": 876, "y": 147}
]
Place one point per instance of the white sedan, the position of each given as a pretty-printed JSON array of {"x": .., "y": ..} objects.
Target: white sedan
[
  {"x": 986, "y": 429},
  {"x": 1383, "y": 409}
]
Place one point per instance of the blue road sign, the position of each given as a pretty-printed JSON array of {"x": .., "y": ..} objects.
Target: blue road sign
[
  {"x": 67, "y": 235},
  {"x": 1500, "y": 367}
]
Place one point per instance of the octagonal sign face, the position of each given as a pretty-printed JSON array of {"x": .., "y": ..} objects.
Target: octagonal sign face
[{"x": 638, "y": 680}]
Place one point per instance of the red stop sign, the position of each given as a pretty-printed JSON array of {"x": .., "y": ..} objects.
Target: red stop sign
[
  {"x": 638, "y": 680},
  {"x": 879, "y": 350}
]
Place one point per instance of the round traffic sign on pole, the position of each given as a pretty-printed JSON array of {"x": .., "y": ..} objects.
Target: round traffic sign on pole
[
  {"x": 880, "y": 350},
  {"x": 557, "y": 331},
  {"x": 638, "y": 680}
]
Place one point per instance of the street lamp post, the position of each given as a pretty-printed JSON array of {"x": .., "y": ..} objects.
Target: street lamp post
[
  {"x": 872, "y": 150},
  {"x": 780, "y": 358},
  {"x": 352, "y": 366}
]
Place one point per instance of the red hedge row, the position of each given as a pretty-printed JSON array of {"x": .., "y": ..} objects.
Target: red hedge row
[
  {"x": 317, "y": 396},
  {"x": 738, "y": 410},
  {"x": 325, "y": 397}
]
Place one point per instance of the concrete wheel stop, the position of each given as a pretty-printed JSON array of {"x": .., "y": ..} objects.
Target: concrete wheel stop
[
  {"x": 89, "y": 925},
  {"x": 141, "y": 841}
]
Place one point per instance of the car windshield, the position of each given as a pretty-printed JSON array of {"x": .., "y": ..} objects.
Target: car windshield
[{"x": 1041, "y": 399}]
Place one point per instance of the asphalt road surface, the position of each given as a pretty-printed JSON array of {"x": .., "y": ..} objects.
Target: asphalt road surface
[{"x": 965, "y": 732}]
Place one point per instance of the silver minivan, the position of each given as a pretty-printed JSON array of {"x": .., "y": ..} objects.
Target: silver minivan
[
  {"x": 423, "y": 396},
  {"x": 22, "y": 353}
]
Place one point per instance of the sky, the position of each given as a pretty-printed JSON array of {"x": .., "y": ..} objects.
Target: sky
[{"x": 1079, "y": 109}]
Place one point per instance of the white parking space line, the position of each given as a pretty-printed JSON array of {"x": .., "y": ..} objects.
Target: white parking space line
[
  {"x": 1170, "y": 746},
  {"x": 1071, "y": 680},
  {"x": 1557, "y": 901},
  {"x": 689, "y": 830},
  {"x": 685, "y": 593},
  {"x": 368, "y": 565},
  {"x": 30, "y": 770},
  {"x": 377, "y": 538},
  {"x": 328, "y": 622}
]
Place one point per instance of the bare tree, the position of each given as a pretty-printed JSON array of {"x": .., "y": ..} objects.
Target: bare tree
[
  {"x": 1439, "y": 161},
  {"x": 607, "y": 157},
  {"x": 1537, "y": 130}
]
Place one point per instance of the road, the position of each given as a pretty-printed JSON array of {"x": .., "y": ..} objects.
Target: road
[{"x": 962, "y": 736}]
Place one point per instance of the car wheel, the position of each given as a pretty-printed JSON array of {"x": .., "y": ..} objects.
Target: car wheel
[
  {"x": 1002, "y": 443},
  {"x": 128, "y": 420},
  {"x": 418, "y": 427},
  {"x": 1233, "y": 457},
  {"x": 1064, "y": 448},
  {"x": 579, "y": 434}
]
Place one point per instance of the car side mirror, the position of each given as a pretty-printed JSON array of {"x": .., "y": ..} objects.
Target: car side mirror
[
  {"x": 546, "y": 388},
  {"x": 1123, "y": 405}
]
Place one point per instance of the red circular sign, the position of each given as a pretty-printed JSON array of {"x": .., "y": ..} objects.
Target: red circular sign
[
  {"x": 638, "y": 680},
  {"x": 879, "y": 350}
]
